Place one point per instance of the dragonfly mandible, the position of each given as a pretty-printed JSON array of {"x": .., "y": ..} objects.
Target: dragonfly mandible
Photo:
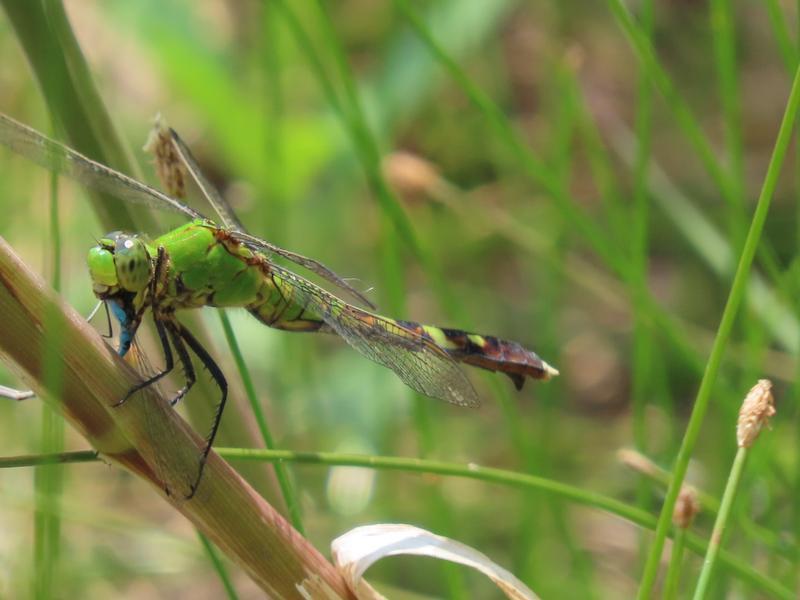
[{"x": 202, "y": 264}]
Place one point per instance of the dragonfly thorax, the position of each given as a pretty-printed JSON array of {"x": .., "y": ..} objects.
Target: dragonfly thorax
[{"x": 120, "y": 262}]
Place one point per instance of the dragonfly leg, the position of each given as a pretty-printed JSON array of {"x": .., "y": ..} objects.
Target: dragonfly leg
[
  {"x": 108, "y": 317},
  {"x": 170, "y": 364},
  {"x": 13, "y": 394},
  {"x": 108, "y": 322},
  {"x": 186, "y": 362},
  {"x": 219, "y": 378},
  {"x": 159, "y": 270}
]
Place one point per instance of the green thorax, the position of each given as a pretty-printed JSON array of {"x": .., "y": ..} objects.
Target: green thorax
[{"x": 206, "y": 269}]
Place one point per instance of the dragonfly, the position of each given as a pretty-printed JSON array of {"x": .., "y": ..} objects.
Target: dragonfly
[{"x": 204, "y": 263}]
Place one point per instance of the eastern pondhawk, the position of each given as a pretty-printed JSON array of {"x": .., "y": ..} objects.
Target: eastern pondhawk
[{"x": 202, "y": 264}]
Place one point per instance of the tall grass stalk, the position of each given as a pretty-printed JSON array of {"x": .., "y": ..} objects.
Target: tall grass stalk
[
  {"x": 729, "y": 181},
  {"x": 734, "y": 477},
  {"x": 724, "y": 41},
  {"x": 281, "y": 472},
  {"x": 732, "y": 305},
  {"x": 148, "y": 437},
  {"x": 683, "y": 114},
  {"x": 744, "y": 570},
  {"x": 49, "y": 480},
  {"x": 643, "y": 350},
  {"x": 350, "y": 110},
  {"x": 502, "y": 129},
  {"x": 781, "y": 33},
  {"x": 219, "y": 566},
  {"x": 758, "y": 407},
  {"x": 685, "y": 510}
]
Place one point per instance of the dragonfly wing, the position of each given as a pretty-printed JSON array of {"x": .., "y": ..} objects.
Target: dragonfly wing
[
  {"x": 418, "y": 361},
  {"x": 312, "y": 265},
  {"x": 62, "y": 160},
  {"x": 230, "y": 220}
]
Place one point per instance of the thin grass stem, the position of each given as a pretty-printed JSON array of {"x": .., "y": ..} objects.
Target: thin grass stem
[
  {"x": 673, "y": 578},
  {"x": 49, "y": 481},
  {"x": 732, "y": 305},
  {"x": 281, "y": 472},
  {"x": 219, "y": 566},
  {"x": 715, "y": 544},
  {"x": 499, "y": 124},
  {"x": 469, "y": 471},
  {"x": 683, "y": 115}
]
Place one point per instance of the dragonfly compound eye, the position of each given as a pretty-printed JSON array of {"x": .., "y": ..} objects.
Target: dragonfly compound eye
[
  {"x": 102, "y": 270},
  {"x": 133, "y": 263}
]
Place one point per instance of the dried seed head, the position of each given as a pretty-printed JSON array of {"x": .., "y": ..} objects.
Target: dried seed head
[
  {"x": 637, "y": 461},
  {"x": 169, "y": 167},
  {"x": 686, "y": 508},
  {"x": 410, "y": 174},
  {"x": 757, "y": 408},
  {"x": 574, "y": 57}
]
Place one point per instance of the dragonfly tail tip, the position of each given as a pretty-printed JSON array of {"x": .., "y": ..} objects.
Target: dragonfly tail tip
[{"x": 549, "y": 372}]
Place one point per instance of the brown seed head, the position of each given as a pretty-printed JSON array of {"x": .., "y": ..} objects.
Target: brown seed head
[
  {"x": 574, "y": 58},
  {"x": 637, "y": 461},
  {"x": 410, "y": 174},
  {"x": 757, "y": 408},
  {"x": 169, "y": 167},
  {"x": 686, "y": 508}
]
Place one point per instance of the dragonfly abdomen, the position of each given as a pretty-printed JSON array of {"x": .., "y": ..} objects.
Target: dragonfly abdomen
[
  {"x": 277, "y": 307},
  {"x": 487, "y": 352}
]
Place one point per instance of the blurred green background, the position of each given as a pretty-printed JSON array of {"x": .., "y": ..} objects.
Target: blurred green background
[{"x": 606, "y": 243}]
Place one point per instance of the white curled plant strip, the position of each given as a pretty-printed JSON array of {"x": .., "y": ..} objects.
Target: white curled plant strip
[{"x": 358, "y": 549}]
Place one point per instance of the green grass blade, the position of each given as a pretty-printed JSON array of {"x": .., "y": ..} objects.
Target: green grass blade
[
  {"x": 712, "y": 246},
  {"x": 643, "y": 349},
  {"x": 58, "y": 64},
  {"x": 780, "y": 31},
  {"x": 732, "y": 305},
  {"x": 715, "y": 545},
  {"x": 683, "y": 115},
  {"x": 355, "y": 122},
  {"x": 48, "y": 480},
  {"x": 673, "y": 578},
  {"x": 724, "y": 42},
  {"x": 499, "y": 124},
  {"x": 148, "y": 437},
  {"x": 281, "y": 472},
  {"x": 219, "y": 566},
  {"x": 75, "y": 106},
  {"x": 523, "y": 481}
]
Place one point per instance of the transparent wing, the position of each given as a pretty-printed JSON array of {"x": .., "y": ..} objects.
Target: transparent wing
[
  {"x": 255, "y": 243},
  {"x": 419, "y": 362},
  {"x": 230, "y": 220},
  {"x": 60, "y": 159}
]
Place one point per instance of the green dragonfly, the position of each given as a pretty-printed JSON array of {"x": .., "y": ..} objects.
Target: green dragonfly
[{"x": 204, "y": 264}]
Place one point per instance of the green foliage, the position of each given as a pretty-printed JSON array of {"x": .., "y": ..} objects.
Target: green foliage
[{"x": 596, "y": 173}]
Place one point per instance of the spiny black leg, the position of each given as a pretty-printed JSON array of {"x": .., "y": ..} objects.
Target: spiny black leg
[
  {"x": 108, "y": 322},
  {"x": 186, "y": 361},
  {"x": 158, "y": 271},
  {"x": 219, "y": 378},
  {"x": 170, "y": 363}
]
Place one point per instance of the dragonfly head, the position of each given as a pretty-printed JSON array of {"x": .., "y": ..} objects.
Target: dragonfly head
[{"x": 120, "y": 262}]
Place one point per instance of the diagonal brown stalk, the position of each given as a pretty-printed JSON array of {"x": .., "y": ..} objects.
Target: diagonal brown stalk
[
  {"x": 58, "y": 65},
  {"x": 148, "y": 438}
]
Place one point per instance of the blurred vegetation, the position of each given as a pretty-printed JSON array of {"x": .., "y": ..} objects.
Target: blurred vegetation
[{"x": 527, "y": 176}]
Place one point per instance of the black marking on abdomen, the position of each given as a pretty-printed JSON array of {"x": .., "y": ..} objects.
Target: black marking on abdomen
[{"x": 494, "y": 354}]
